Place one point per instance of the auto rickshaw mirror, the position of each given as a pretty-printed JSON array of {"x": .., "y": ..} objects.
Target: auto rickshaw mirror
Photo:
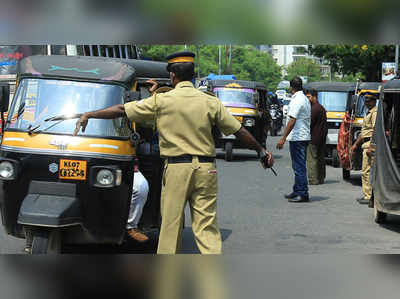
[
  {"x": 4, "y": 96},
  {"x": 132, "y": 96}
]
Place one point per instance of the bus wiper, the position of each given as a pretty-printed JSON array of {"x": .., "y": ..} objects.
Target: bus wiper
[{"x": 60, "y": 119}]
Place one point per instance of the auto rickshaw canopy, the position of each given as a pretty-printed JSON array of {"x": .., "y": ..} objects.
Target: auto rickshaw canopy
[
  {"x": 391, "y": 86},
  {"x": 331, "y": 86},
  {"x": 238, "y": 84},
  {"x": 98, "y": 69}
]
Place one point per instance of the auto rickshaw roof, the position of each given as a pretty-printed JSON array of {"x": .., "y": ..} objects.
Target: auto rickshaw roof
[
  {"x": 145, "y": 69},
  {"x": 369, "y": 85},
  {"x": 331, "y": 86},
  {"x": 391, "y": 85},
  {"x": 238, "y": 84},
  {"x": 103, "y": 69}
]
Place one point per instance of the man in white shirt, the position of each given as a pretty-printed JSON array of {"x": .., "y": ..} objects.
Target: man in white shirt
[{"x": 297, "y": 132}]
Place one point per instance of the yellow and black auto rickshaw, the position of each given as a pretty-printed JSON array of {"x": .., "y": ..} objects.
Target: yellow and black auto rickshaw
[
  {"x": 247, "y": 101},
  {"x": 356, "y": 112},
  {"x": 333, "y": 96},
  {"x": 385, "y": 173},
  {"x": 63, "y": 189}
]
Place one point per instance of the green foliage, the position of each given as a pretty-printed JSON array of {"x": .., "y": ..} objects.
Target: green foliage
[
  {"x": 353, "y": 59},
  {"x": 304, "y": 67},
  {"x": 247, "y": 62}
]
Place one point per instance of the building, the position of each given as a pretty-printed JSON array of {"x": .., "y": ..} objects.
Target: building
[{"x": 284, "y": 55}]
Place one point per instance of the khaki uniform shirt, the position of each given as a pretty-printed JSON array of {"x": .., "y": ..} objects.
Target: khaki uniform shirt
[
  {"x": 184, "y": 118},
  {"x": 368, "y": 126}
]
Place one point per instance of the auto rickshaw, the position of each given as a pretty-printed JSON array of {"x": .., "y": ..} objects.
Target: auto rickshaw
[
  {"x": 333, "y": 96},
  {"x": 351, "y": 127},
  {"x": 385, "y": 172},
  {"x": 245, "y": 100},
  {"x": 63, "y": 189}
]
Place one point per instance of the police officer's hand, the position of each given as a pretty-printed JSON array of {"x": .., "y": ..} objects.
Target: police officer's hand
[
  {"x": 280, "y": 143},
  {"x": 266, "y": 159},
  {"x": 82, "y": 122},
  {"x": 370, "y": 152},
  {"x": 154, "y": 85},
  {"x": 353, "y": 148}
]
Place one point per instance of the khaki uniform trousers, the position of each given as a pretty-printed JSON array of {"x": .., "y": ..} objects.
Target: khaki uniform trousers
[
  {"x": 195, "y": 183},
  {"x": 366, "y": 170},
  {"x": 316, "y": 164}
]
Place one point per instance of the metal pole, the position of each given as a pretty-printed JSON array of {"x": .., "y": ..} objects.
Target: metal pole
[
  {"x": 198, "y": 61},
  {"x": 219, "y": 59},
  {"x": 397, "y": 60}
]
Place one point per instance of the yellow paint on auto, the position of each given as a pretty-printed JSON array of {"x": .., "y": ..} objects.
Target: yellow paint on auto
[
  {"x": 334, "y": 115},
  {"x": 242, "y": 111},
  {"x": 73, "y": 143}
]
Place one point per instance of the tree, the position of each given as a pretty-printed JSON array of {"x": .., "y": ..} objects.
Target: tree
[
  {"x": 304, "y": 67},
  {"x": 353, "y": 59},
  {"x": 247, "y": 62}
]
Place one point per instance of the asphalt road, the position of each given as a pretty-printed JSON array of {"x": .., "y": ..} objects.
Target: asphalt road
[{"x": 255, "y": 218}]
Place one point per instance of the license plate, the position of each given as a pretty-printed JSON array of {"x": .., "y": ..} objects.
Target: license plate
[
  {"x": 239, "y": 118},
  {"x": 72, "y": 170}
]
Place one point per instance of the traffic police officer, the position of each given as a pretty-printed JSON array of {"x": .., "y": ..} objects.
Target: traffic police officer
[
  {"x": 365, "y": 138},
  {"x": 184, "y": 119}
]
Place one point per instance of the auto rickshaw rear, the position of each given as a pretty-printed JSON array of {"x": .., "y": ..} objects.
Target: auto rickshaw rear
[{"x": 385, "y": 174}]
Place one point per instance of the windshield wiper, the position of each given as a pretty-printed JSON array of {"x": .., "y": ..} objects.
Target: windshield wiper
[{"x": 60, "y": 119}]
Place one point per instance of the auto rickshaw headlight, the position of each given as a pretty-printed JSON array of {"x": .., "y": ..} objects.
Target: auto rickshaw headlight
[
  {"x": 7, "y": 170},
  {"x": 249, "y": 122},
  {"x": 105, "y": 177}
]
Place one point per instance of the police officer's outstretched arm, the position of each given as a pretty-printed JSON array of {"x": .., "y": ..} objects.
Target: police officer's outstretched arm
[
  {"x": 107, "y": 113},
  {"x": 266, "y": 158}
]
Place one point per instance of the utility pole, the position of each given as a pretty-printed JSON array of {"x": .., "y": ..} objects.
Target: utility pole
[
  {"x": 198, "y": 61},
  {"x": 230, "y": 59},
  {"x": 219, "y": 59},
  {"x": 397, "y": 60}
]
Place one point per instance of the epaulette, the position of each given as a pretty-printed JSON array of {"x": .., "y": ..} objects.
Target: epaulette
[{"x": 163, "y": 89}]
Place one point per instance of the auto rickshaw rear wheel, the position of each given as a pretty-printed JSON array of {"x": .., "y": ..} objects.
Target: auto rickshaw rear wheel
[
  {"x": 46, "y": 241},
  {"x": 379, "y": 217},
  {"x": 346, "y": 174},
  {"x": 228, "y": 151}
]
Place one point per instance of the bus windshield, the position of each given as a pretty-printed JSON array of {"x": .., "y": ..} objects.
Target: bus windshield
[
  {"x": 39, "y": 99},
  {"x": 333, "y": 101}
]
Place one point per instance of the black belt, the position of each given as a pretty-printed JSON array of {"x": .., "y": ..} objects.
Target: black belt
[
  {"x": 366, "y": 139},
  {"x": 189, "y": 158}
]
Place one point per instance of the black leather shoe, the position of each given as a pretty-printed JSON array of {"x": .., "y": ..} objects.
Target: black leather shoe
[
  {"x": 290, "y": 195},
  {"x": 299, "y": 199},
  {"x": 363, "y": 201}
]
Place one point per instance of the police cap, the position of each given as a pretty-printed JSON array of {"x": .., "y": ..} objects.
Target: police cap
[
  {"x": 370, "y": 97},
  {"x": 180, "y": 57}
]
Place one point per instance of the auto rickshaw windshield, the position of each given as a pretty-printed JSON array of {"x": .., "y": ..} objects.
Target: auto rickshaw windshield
[
  {"x": 236, "y": 96},
  {"x": 333, "y": 101},
  {"x": 39, "y": 99}
]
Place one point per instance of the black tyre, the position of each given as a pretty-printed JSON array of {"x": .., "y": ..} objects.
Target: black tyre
[
  {"x": 228, "y": 151},
  {"x": 46, "y": 242},
  {"x": 335, "y": 158},
  {"x": 379, "y": 217},
  {"x": 346, "y": 174}
]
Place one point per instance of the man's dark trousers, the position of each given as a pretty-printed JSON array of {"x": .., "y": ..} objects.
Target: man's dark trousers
[{"x": 298, "y": 153}]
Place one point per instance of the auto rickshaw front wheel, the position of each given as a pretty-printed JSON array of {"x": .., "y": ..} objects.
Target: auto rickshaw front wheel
[
  {"x": 46, "y": 241},
  {"x": 228, "y": 151},
  {"x": 379, "y": 217},
  {"x": 335, "y": 158}
]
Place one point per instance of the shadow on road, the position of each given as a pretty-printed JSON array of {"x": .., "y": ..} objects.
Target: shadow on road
[
  {"x": 392, "y": 223},
  {"x": 329, "y": 182},
  {"x": 240, "y": 157},
  {"x": 355, "y": 181},
  {"x": 189, "y": 243},
  {"x": 318, "y": 198}
]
